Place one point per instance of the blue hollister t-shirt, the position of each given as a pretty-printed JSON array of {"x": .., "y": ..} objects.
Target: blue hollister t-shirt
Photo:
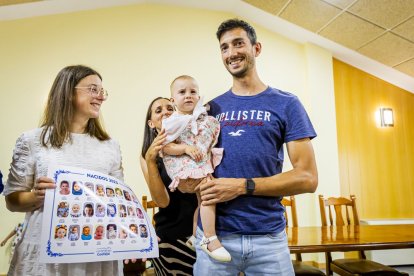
[{"x": 253, "y": 131}]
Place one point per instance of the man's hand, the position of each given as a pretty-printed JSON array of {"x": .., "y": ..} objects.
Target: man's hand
[{"x": 216, "y": 190}]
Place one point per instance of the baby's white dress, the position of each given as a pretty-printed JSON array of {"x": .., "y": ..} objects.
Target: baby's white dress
[
  {"x": 197, "y": 129},
  {"x": 30, "y": 161}
]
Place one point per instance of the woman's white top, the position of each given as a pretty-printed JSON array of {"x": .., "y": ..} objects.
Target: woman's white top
[{"x": 31, "y": 161}]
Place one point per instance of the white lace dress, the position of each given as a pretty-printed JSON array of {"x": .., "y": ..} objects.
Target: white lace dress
[{"x": 30, "y": 161}]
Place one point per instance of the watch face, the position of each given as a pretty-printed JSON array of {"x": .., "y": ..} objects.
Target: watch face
[{"x": 250, "y": 186}]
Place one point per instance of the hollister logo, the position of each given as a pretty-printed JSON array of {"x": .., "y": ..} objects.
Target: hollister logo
[{"x": 237, "y": 133}]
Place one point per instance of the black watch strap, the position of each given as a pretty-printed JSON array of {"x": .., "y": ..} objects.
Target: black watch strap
[{"x": 250, "y": 186}]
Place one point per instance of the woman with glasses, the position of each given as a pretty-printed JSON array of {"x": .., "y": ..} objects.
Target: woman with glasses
[
  {"x": 174, "y": 220},
  {"x": 70, "y": 134}
]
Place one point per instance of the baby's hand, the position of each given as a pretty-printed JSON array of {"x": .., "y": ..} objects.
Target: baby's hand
[{"x": 194, "y": 153}]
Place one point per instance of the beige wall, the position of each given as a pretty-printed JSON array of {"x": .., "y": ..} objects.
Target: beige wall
[{"x": 139, "y": 50}]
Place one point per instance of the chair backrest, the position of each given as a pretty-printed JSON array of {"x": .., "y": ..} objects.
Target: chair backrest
[
  {"x": 343, "y": 208},
  {"x": 149, "y": 205},
  {"x": 341, "y": 205},
  {"x": 290, "y": 202}
]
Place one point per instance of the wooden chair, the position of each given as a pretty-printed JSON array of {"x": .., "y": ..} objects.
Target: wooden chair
[
  {"x": 149, "y": 205},
  {"x": 343, "y": 208},
  {"x": 138, "y": 268},
  {"x": 299, "y": 267}
]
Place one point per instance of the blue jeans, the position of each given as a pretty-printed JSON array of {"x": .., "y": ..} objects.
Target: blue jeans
[{"x": 251, "y": 254}]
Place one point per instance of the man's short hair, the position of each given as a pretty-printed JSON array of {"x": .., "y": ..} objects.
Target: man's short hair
[{"x": 237, "y": 23}]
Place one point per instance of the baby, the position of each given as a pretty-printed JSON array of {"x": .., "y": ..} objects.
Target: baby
[
  {"x": 63, "y": 209},
  {"x": 127, "y": 196},
  {"x": 88, "y": 210},
  {"x": 144, "y": 232},
  {"x": 118, "y": 192},
  {"x": 60, "y": 232},
  {"x": 134, "y": 230},
  {"x": 76, "y": 188},
  {"x": 131, "y": 211},
  {"x": 122, "y": 211},
  {"x": 100, "y": 210},
  {"x": 111, "y": 231},
  {"x": 189, "y": 153},
  {"x": 123, "y": 234},
  {"x": 99, "y": 232},
  {"x": 88, "y": 188},
  {"x": 75, "y": 212},
  {"x": 100, "y": 190},
  {"x": 86, "y": 233},
  {"x": 74, "y": 233},
  {"x": 110, "y": 192},
  {"x": 64, "y": 187},
  {"x": 139, "y": 213},
  {"x": 111, "y": 210}
]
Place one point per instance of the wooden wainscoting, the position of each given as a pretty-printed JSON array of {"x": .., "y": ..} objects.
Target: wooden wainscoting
[{"x": 376, "y": 164}]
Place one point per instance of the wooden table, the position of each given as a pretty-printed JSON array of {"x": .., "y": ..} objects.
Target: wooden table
[{"x": 350, "y": 238}]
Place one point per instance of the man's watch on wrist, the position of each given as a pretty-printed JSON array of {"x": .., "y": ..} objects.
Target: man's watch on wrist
[{"x": 250, "y": 186}]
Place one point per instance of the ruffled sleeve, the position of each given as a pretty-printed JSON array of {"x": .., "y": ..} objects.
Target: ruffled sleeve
[
  {"x": 21, "y": 173},
  {"x": 216, "y": 153},
  {"x": 174, "y": 126},
  {"x": 177, "y": 123},
  {"x": 117, "y": 169}
]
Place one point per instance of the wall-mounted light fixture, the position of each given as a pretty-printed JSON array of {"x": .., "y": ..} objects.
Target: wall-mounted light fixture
[{"x": 386, "y": 117}]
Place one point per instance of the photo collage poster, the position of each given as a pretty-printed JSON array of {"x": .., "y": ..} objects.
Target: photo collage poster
[{"x": 93, "y": 217}]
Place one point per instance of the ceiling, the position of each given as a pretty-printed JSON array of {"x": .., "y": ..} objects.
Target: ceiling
[{"x": 381, "y": 30}]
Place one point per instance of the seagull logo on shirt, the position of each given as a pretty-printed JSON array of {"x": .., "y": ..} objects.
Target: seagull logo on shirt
[{"x": 237, "y": 133}]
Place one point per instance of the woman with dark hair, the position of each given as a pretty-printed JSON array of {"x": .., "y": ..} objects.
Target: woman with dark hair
[
  {"x": 70, "y": 135},
  {"x": 174, "y": 220}
]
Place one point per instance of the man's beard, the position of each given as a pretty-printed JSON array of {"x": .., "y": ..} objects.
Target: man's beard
[
  {"x": 249, "y": 63},
  {"x": 239, "y": 74}
]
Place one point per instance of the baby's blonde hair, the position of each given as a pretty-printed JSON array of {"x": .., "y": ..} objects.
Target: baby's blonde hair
[{"x": 182, "y": 77}]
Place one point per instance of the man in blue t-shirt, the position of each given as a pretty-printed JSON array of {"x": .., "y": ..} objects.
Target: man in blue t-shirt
[{"x": 256, "y": 120}]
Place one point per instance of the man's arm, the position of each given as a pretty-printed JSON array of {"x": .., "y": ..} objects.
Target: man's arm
[{"x": 302, "y": 178}]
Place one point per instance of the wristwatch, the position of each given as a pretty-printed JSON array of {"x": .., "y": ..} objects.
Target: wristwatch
[{"x": 250, "y": 186}]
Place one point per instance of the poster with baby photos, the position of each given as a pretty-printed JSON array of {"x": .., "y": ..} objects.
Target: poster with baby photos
[{"x": 93, "y": 217}]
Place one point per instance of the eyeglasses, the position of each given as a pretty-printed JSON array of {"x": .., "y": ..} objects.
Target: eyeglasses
[{"x": 94, "y": 91}]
